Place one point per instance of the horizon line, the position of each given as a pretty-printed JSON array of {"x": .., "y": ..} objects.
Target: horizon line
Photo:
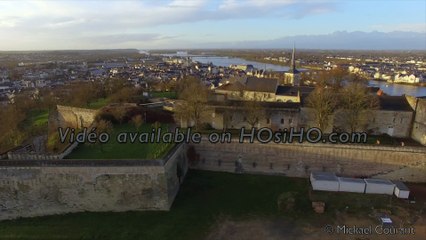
[{"x": 209, "y": 48}]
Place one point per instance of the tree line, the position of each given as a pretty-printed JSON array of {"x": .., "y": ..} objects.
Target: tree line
[{"x": 336, "y": 93}]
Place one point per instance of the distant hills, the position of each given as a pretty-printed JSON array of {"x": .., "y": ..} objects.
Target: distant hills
[{"x": 358, "y": 40}]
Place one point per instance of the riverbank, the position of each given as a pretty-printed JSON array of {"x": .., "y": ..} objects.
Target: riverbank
[
  {"x": 222, "y": 59},
  {"x": 265, "y": 61}
]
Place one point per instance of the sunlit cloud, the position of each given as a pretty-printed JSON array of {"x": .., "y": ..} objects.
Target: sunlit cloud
[{"x": 85, "y": 24}]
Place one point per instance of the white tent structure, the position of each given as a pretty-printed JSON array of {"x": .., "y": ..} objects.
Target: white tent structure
[
  {"x": 324, "y": 181},
  {"x": 379, "y": 186},
  {"x": 351, "y": 185},
  {"x": 401, "y": 190}
]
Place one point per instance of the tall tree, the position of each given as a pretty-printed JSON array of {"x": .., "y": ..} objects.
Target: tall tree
[
  {"x": 323, "y": 101},
  {"x": 119, "y": 114},
  {"x": 355, "y": 106},
  {"x": 337, "y": 76},
  {"x": 123, "y": 95},
  {"x": 194, "y": 101},
  {"x": 137, "y": 121},
  {"x": 103, "y": 126},
  {"x": 253, "y": 111},
  {"x": 11, "y": 135}
]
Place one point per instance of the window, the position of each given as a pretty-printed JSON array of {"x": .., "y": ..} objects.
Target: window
[
  {"x": 401, "y": 120},
  {"x": 290, "y": 120},
  {"x": 393, "y": 120},
  {"x": 267, "y": 121},
  {"x": 282, "y": 120}
]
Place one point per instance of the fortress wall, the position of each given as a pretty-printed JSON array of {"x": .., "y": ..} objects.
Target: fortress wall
[
  {"x": 64, "y": 117},
  {"x": 418, "y": 131},
  {"x": 175, "y": 168},
  {"x": 299, "y": 160},
  {"x": 75, "y": 117},
  {"x": 45, "y": 187},
  {"x": 37, "y": 191}
]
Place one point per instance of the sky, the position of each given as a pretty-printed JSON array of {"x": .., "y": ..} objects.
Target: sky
[{"x": 112, "y": 24}]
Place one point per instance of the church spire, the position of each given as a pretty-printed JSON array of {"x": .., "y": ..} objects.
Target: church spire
[{"x": 293, "y": 59}]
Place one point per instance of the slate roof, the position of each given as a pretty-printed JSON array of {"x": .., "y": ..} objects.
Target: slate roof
[
  {"x": 286, "y": 91},
  {"x": 235, "y": 86},
  {"x": 394, "y": 103},
  {"x": 261, "y": 84}
]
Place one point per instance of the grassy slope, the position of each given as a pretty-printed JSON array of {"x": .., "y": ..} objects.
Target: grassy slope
[
  {"x": 171, "y": 95},
  {"x": 204, "y": 197},
  {"x": 35, "y": 122},
  {"x": 36, "y": 118},
  {"x": 99, "y": 103}
]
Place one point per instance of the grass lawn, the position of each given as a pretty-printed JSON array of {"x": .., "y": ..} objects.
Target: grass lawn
[
  {"x": 355, "y": 203},
  {"x": 171, "y": 95},
  {"x": 99, "y": 103},
  {"x": 205, "y": 198},
  {"x": 386, "y": 140},
  {"x": 36, "y": 118},
  {"x": 115, "y": 150},
  {"x": 36, "y": 122}
]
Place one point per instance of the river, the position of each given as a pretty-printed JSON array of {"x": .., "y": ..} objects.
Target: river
[
  {"x": 226, "y": 61},
  {"x": 389, "y": 88},
  {"x": 394, "y": 89}
]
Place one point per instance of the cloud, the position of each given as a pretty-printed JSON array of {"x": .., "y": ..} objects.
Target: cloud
[
  {"x": 141, "y": 14},
  {"x": 128, "y": 38},
  {"x": 287, "y": 9},
  {"x": 7, "y": 23},
  {"x": 112, "y": 23},
  {"x": 53, "y": 22},
  {"x": 238, "y": 4},
  {"x": 65, "y": 22}
]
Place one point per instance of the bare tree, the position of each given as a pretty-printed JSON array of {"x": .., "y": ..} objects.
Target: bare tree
[
  {"x": 11, "y": 134},
  {"x": 253, "y": 111},
  {"x": 194, "y": 101},
  {"x": 336, "y": 77},
  {"x": 119, "y": 113},
  {"x": 125, "y": 94},
  {"x": 305, "y": 79},
  {"x": 137, "y": 121},
  {"x": 333, "y": 78},
  {"x": 82, "y": 96},
  {"x": 356, "y": 105},
  {"x": 228, "y": 114},
  {"x": 156, "y": 125},
  {"x": 103, "y": 126},
  {"x": 323, "y": 102}
]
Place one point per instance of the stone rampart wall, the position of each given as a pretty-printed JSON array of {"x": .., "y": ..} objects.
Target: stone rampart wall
[
  {"x": 299, "y": 160},
  {"x": 43, "y": 187}
]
